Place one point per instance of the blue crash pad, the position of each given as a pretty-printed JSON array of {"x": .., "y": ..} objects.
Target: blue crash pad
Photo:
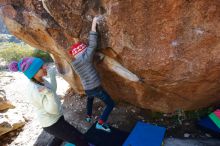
[
  {"x": 207, "y": 123},
  {"x": 145, "y": 134},
  {"x": 101, "y": 138}
]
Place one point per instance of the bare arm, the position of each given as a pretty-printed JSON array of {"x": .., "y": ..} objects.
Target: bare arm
[{"x": 94, "y": 23}]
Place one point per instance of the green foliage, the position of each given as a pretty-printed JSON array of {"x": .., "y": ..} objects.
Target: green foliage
[
  {"x": 43, "y": 55},
  {"x": 14, "y": 51},
  {"x": 181, "y": 116},
  {"x": 199, "y": 113}
]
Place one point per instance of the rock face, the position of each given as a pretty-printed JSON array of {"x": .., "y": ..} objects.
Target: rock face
[
  {"x": 159, "y": 55},
  {"x": 10, "y": 121},
  {"x": 4, "y": 103}
]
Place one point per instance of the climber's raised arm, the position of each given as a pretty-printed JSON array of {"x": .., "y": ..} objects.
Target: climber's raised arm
[
  {"x": 85, "y": 52},
  {"x": 92, "y": 41}
]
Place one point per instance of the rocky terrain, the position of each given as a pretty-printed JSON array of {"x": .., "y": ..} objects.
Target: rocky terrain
[{"x": 181, "y": 130}]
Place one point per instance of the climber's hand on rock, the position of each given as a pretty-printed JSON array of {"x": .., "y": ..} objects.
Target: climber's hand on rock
[
  {"x": 95, "y": 19},
  {"x": 100, "y": 19}
]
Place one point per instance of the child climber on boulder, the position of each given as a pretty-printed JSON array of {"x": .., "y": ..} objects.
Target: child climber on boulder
[{"x": 82, "y": 62}]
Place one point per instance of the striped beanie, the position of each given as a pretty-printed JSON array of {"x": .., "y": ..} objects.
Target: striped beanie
[
  {"x": 28, "y": 65},
  {"x": 77, "y": 48}
]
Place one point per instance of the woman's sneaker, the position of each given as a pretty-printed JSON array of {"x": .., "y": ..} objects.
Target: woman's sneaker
[
  {"x": 104, "y": 127},
  {"x": 69, "y": 144}
]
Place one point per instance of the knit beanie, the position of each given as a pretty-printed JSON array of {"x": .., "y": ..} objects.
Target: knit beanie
[
  {"x": 28, "y": 65},
  {"x": 77, "y": 48}
]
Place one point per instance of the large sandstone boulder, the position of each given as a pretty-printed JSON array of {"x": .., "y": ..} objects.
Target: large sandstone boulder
[
  {"x": 159, "y": 55},
  {"x": 4, "y": 103},
  {"x": 10, "y": 121}
]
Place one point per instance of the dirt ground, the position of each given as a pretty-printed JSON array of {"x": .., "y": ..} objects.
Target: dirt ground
[{"x": 124, "y": 116}]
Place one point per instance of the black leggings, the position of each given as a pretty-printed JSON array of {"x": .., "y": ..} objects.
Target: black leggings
[{"x": 63, "y": 131}]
